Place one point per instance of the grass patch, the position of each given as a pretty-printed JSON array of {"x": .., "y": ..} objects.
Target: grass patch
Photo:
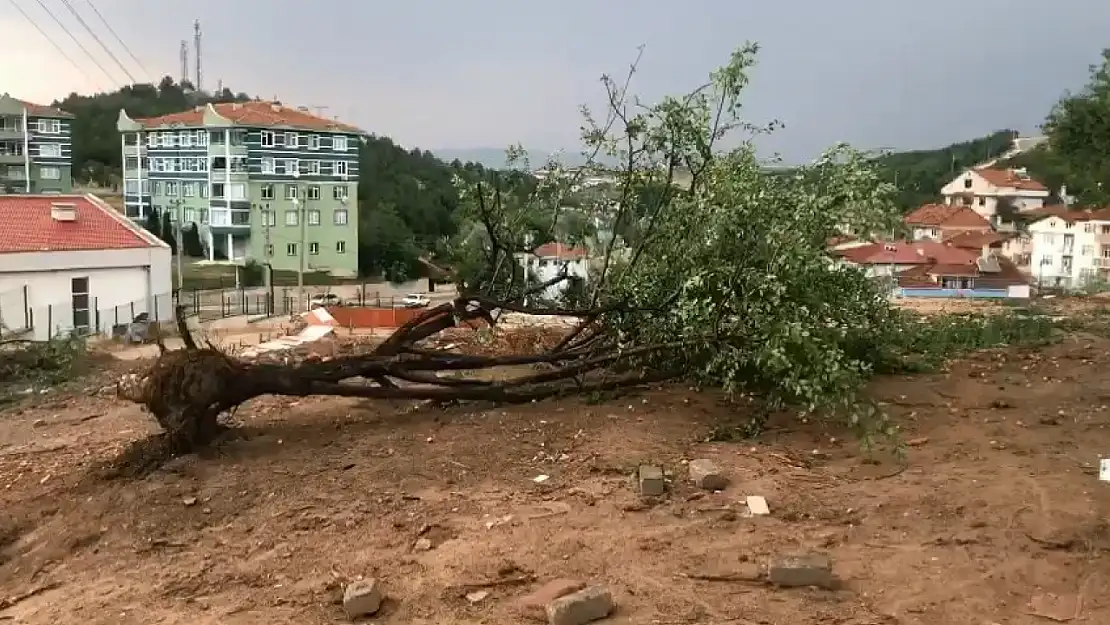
[
  {"x": 922, "y": 343},
  {"x": 29, "y": 364}
]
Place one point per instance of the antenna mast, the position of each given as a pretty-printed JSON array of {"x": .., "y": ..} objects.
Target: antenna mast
[
  {"x": 184, "y": 61},
  {"x": 196, "y": 47}
]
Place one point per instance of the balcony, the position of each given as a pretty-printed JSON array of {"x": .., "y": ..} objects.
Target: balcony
[{"x": 229, "y": 218}]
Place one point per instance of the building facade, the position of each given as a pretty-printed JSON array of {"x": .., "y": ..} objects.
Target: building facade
[
  {"x": 35, "y": 148},
  {"x": 71, "y": 262},
  {"x": 258, "y": 180},
  {"x": 1070, "y": 249},
  {"x": 982, "y": 188}
]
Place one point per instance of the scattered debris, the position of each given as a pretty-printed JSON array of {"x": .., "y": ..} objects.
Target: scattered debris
[
  {"x": 540, "y": 479},
  {"x": 189, "y": 501},
  {"x": 793, "y": 571},
  {"x": 362, "y": 598},
  {"x": 651, "y": 482},
  {"x": 917, "y": 442},
  {"x": 1059, "y": 608},
  {"x": 705, "y": 475},
  {"x": 422, "y": 544},
  {"x": 757, "y": 505},
  {"x": 581, "y": 607},
  {"x": 37, "y": 590}
]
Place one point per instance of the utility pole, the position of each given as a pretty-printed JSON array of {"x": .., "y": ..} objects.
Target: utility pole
[
  {"x": 268, "y": 277},
  {"x": 178, "y": 240}
]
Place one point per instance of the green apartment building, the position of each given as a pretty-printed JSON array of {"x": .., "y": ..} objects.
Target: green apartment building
[
  {"x": 35, "y": 148},
  {"x": 260, "y": 181}
]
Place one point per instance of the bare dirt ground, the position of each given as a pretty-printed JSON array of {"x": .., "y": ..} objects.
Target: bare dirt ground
[{"x": 996, "y": 515}]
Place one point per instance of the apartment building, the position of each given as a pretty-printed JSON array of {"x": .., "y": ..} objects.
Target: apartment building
[
  {"x": 1070, "y": 248},
  {"x": 35, "y": 148},
  {"x": 258, "y": 180},
  {"x": 981, "y": 188}
]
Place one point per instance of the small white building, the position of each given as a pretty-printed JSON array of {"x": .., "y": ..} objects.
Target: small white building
[
  {"x": 981, "y": 188},
  {"x": 72, "y": 262},
  {"x": 1070, "y": 248},
  {"x": 548, "y": 261}
]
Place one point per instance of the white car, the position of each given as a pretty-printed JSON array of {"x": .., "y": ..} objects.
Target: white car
[
  {"x": 326, "y": 299},
  {"x": 415, "y": 300}
]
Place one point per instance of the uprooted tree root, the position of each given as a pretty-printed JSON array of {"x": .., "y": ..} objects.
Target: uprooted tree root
[{"x": 186, "y": 390}]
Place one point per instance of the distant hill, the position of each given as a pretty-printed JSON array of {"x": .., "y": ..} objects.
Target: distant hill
[{"x": 495, "y": 157}]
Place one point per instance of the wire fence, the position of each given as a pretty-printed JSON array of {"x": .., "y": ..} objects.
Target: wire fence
[{"x": 211, "y": 305}]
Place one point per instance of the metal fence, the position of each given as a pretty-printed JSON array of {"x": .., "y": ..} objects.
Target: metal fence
[
  {"x": 211, "y": 305},
  {"x": 22, "y": 318}
]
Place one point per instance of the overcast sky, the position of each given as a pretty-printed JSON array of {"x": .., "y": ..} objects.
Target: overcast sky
[{"x": 485, "y": 73}]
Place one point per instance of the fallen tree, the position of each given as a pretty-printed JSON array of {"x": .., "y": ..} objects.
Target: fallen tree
[{"x": 708, "y": 265}]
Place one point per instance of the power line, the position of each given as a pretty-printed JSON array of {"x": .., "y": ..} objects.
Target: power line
[
  {"x": 96, "y": 38},
  {"x": 57, "y": 47},
  {"x": 125, "y": 47},
  {"x": 77, "y": 41}
]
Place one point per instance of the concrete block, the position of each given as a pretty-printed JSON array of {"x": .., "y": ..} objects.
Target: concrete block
[
  {"x": 757, "y": 505},
  {"x": 811, "y": 569},
  {"x": 650, "y": 480},
  {"x": 585, "y": 606},
  {"x": 535, "y": 603}
]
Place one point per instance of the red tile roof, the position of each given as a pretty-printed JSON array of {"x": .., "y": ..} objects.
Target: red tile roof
[
  {"x": 1009, "y": 178},
  {"x": 560, "y": 251},
  {"x": 40, "y": 110},
  {"x": 26, "y": 225},
  {"x": 256, "y": 114},
  {"x": 907, "y": 253},
  {"x": 946, "y": 216},
  {"x": 1008, "y": 274},
  {"x": 974, "y": 240}
]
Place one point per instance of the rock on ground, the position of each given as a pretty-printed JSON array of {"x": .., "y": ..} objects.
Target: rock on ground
[
  {"x": 705, "y": 474},
  {"x": 535, "y": 603},
  {"x": 362, "y": 598},
  {"x": 650, "y": 480},
  {"x": 585, "y": 606}
]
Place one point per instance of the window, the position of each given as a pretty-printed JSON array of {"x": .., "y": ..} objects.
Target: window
[
  {"x": 50, "y": 173},
  {"x": 339, "y": 144},
  {"x": 1087, "y": 250},
  {"x": 269, "y": 249},
  {"x": 190, "y": 216},
  {"x": 291, "y": 139},
  {"x": 314, "y": 192},
  {"x": 1048, "y": 238},
  {"x": 1106, "y": 251},
  {"x": 314, "y": 249},
  {"x": 290, "y": 249},
  {"x": 313, "y": 217},
  {"x": 157, "y": 187},
  {"x": 267, "y": 191},
  {"x": 313, "y": 168},
  {"x": 130, "y": 187},
  {"x": 1105, "y": 230},
  {"x": 290, "y": 191},
  {"x": 188, "y": 189},
  {"x": 967, "y": 183},
  {"x": 201, "y": 138},
  {"x": 339, "y": 192},
  {"x": 218, "y": 190},
  {"x": 314, "y": 142},
  {"x": 171, "y": 188},
  {"x": 269, "y": 218},
  {"x": 304, "y": 168},
  {"x": 1089, "y": 228},
  {"x": 50, "y": 126},
  {"x": 1046, "y": 260},
  {"x": 79, "y": 289},
  {"x": 267, "y": 165},
  {"x": 169, "y": 139},
  {"x": 982, "y": 201},
  {"x": 238, "y": 191},
  {"x": 185, "y": 138},
  {"x": 151, "y": 140},
  {"x": 340, "y": 217},
  {"x": 50, "y": 150},
  {"x": 340, "y": 247},
  {"x": 1068, "y": 225},
  {"x": 290, "y": 218},
  {"x": 341, "y": 168},
  {"x": 204, "y": 191},
  {"x": 267, "y": 139}
]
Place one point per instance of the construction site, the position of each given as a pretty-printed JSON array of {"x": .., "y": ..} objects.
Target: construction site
[{"x": 649, "y": 502}]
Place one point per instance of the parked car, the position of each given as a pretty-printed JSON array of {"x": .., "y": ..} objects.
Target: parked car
[
  {"x": 415, "y": 300},
  {"x": 326, "y": 299}
]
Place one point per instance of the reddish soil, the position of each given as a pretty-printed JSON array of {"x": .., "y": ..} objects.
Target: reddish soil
[{"x": 998, "y": 512}]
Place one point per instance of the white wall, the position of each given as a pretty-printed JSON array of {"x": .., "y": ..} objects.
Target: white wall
[
  {"x": 986, "y": 195},
  {"x": 547, "y": 268},
  {"x": 117, "y": 278}
]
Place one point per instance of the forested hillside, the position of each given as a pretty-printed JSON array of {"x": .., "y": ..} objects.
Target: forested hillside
[{"x": 920, "y": 174}]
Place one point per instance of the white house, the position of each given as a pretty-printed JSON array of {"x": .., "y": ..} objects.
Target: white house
[
  {"x": 981, "y": 188},
  {"x": 548, "y": 261},
  {"x": 72, "y": 262},
  {"x": 1070, "y": 248}
]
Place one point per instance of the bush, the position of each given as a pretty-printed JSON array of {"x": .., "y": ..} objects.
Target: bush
[{"x": 25, "y": 363}]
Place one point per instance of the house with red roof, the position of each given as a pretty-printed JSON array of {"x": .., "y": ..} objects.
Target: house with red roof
[
  {"x": 941, "y": 221},
  {"x": 71, "y": 262},
  {"x": 981, "y": 188},
  {"x": 549, "y": 260},
  {"x": 935, "y": 264}
]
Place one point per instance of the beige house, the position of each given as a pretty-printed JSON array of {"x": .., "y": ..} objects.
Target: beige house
[{"x": 981, "y": 188}]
